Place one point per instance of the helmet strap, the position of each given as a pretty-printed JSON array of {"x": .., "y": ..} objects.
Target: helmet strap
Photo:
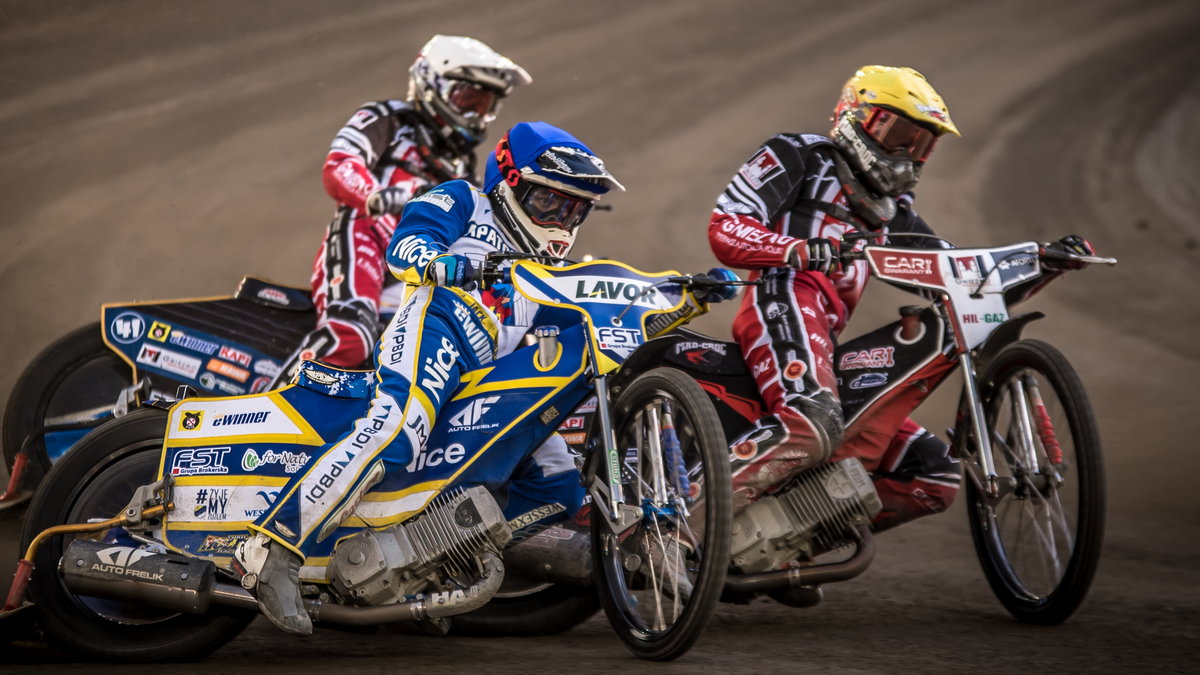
[{"x": 875, "y": 211}]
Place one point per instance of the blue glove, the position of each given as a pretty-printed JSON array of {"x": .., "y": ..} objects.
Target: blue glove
[
  {"x": 720, "y": 293},
  {"x": 451, "y": 269}
]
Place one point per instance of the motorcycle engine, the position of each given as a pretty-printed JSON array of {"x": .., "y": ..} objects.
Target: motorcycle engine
[
  {"x": 821, "y": 510},
  {"x": 383, "y": 567}
]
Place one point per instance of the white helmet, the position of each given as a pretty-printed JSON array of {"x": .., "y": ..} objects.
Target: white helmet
[{"x": 457, "y": 82}]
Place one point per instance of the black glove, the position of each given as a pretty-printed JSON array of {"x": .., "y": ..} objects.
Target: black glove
[
  {"x": 816, "y": 255},
  {"x": 388, "y": 200},
  {"x": 1057, "y": 256}
]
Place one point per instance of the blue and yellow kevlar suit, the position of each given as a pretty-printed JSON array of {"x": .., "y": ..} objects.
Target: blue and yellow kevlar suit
[{"x": 439, "y": 334}]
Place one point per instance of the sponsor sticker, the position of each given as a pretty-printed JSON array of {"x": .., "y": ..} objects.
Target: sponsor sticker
[
  {"x": 127, "y": 327},
  {"x": 869, "y": 380},
  {"x": 191, "y": 420},
  {"x": 439, "y": 199},
  {"x": 228, "y": 370},
  {"x": 170, "y": 361},
  {"x": 762, "y": 167},
  {"x": 235, "y": 355},
  {"x": 181, "y": 339},
  {"x": 159, "y": 331},
  {"x": 291, "y": 461},
  {"x": 273, "y": 295},
  {"x": 199, "y": 461}
]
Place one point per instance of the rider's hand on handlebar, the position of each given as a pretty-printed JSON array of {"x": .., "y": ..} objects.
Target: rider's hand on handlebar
[
  {"x": 451, "y": 269},
  {"x": 389, "y": 200},
  {"x": 1054, "y": 254},
  {"x": 815, "y": 255}
]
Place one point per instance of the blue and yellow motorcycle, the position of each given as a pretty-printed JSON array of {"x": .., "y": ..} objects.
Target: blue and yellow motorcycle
[{"x": 130, "y": 536}]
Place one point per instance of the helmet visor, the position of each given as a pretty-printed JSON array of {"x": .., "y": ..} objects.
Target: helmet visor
[
  {"x": 894, "y": 132},
  {"x": 470, "y": 98},
  {"x": 550, "y": 208}
]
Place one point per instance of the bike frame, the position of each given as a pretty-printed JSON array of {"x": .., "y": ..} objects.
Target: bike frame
[{"x": 968, "y": 285}]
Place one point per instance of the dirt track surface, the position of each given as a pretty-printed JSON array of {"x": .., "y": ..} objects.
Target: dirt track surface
[{"x": 160, "y": 150}]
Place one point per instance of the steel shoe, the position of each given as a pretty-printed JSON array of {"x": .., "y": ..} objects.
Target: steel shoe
[{"x": 272, "y": 574}]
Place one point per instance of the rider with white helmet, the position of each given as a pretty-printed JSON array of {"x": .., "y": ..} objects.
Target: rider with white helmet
[{"x": 387, "y": 153}]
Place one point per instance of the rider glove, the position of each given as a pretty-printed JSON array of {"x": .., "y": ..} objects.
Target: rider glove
[
  {"x": 815, "y": 255},
  {"x": 451, "y": 270},
  {"x": 389, "y": 200},
  {"x": 1072, "y": 244}
]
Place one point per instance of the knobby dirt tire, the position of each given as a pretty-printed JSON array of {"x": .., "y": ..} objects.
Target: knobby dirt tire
[
  {"x": 103, "y": 469},
  {"x": 1085, "y": 470}
]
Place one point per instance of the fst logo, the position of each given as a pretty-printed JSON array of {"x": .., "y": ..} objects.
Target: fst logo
[{"x": 199, "y": 461}]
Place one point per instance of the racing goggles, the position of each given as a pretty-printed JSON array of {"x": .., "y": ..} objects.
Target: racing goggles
[
  {"x": 895, "y": 132},
  {"x": 550, "y": 208},
  {"x": 470, "y": 98}
]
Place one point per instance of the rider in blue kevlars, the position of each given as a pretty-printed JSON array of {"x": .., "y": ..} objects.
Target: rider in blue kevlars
[{"x": 540, "y": 184}]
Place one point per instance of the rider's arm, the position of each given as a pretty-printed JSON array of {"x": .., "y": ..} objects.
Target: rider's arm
[
  {"x": 430, "y": 224},
  {"x": 739, "y": 230},
  {"x": 355, "y": 149}
]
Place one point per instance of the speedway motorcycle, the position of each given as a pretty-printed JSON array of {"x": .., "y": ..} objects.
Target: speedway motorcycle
[
  {"x": 1024, "y": 430},
  {"x": 130, "y": 536},
  {"x": 221, "y": 346}
]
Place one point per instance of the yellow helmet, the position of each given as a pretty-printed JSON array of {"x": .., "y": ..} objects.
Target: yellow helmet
[{"x": 887, "y": 121}]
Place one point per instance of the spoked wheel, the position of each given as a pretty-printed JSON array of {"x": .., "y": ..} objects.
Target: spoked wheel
[
  {"x": 1039, "y": 537},
  {"x": 95, "y": 481},
  {"x": 67, "y": 390},
  {"x": 660, "y": 578}
]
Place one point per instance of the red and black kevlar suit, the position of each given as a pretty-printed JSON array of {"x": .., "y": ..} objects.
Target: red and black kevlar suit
[
  {"x": 384, "y": 144},
  {"x": 788, "y": 191}
]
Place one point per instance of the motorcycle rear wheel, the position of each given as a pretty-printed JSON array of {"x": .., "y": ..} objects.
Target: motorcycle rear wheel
[
  {"x": 1039, "y": 541},
  {"x": 75, "y": 374},
  {"x": 661, "y": 579},
  {"x": 96, "y": 480}
]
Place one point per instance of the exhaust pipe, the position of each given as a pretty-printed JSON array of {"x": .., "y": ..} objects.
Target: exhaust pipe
[
  {"x": 761, "y": 582},
  {"x": 558, "y": 554},
  {"x": 163, "y": 580},
  {"x": 189, "y": 585}
]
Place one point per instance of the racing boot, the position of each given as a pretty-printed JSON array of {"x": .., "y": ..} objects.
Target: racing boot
[
  {"x": 668, "y": 568},
  {"x": 272, "y": 574}
]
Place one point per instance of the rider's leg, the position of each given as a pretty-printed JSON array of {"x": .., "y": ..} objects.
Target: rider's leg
[
  {"x": 916, "y": 477},
  {"x": 784, "y": 332},
  {"x": 421, "y": 357},
  {"x": 545, "y": 489},
  {"x": 348, "y": 277}
]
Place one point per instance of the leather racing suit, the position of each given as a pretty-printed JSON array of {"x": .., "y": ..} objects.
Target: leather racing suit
[
  {"x": 792, "y": 189},
  {"x": 438, "y": 334},
  {"x": 384, "y": 144}
]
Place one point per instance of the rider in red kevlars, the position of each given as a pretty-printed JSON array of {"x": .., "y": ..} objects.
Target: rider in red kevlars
[
  {"x": 388, "y": 153},
  {"x": 783, "y": 216}
]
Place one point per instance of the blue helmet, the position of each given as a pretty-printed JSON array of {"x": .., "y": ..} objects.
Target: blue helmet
[{"x": 542, "y": 182}]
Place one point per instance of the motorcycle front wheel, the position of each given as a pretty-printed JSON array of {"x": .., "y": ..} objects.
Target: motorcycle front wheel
[
  {"x": 95, "y": 481},
  {"x": 68, "y": 389},
  {"x": 661, "y": 577},
  {"x": 1039, "y": 537}
]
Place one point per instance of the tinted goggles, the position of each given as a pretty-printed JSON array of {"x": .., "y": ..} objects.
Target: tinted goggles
[
  {"x": 547, "y": 207},
  {"x": 895, "y": 132},
  {"x": 470, "y": 98}
]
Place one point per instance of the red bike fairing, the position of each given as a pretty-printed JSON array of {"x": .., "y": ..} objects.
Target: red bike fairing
[
  {"x": 384, "y": 144},
  {"x": 783, "y": 194}
]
